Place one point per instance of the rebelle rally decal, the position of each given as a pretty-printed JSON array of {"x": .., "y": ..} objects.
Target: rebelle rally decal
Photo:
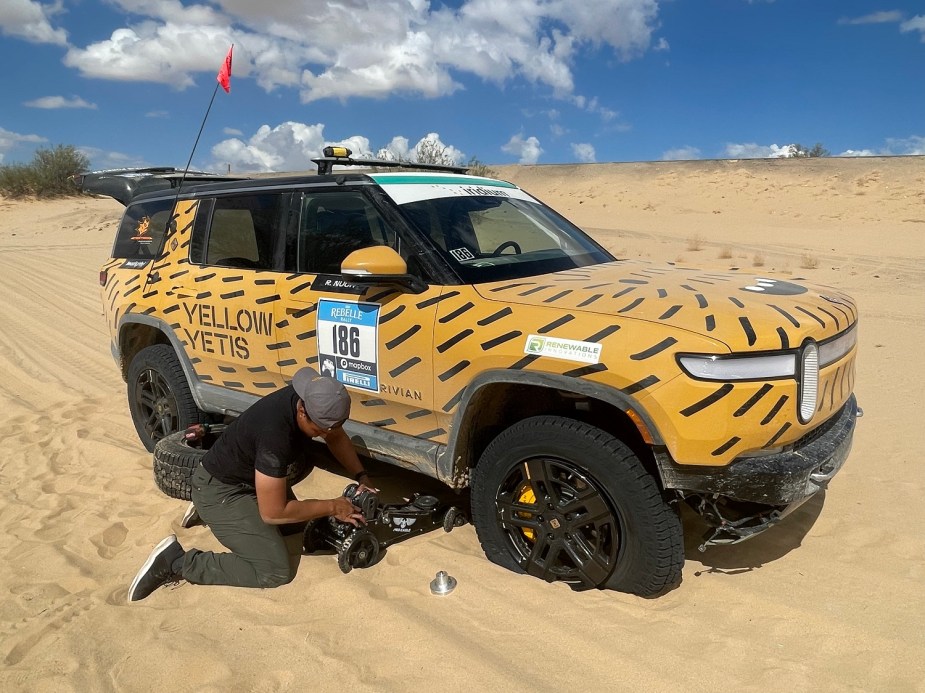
[{"x": 348, "y": 342}]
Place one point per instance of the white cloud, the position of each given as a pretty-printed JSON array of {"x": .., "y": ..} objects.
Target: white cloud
[
  {"x": 751, "y": 150},
  {"x": 9, "y": 140},
  {"x": 584, "y": 152},
  {"x": 31, "y": 21},
  {"x": 157, "y": 114},
  {"x": 915, "y": 24},
  {"x": 527, "y": 150},
  {"x": 888, "y": 17},
  {"x": 682, "y": 154},
  {"x": 103, "y": 159},
  {"x": 858, "y": 152},
  {"x": 894, "y": 146},
  {"x": 55, "y": 102},
  {"x": 232, "y": 131},
  {"x": 905, "y": 146},
  {"x": 370, "y": 48},
  {"x": 291, "y": 146}
]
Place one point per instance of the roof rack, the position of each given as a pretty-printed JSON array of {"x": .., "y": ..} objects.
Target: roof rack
[{"x": 342, "y": 157}]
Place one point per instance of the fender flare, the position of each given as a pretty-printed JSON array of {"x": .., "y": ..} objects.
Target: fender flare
[
  {"x": 450, "y": 467},
  {"x": 208, "y": 397}
]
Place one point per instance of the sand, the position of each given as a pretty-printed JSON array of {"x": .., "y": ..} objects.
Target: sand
[{"x": 830, "y": 600}]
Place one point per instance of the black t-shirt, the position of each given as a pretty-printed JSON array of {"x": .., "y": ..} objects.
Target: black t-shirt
[{"x": 265, "y": 437}]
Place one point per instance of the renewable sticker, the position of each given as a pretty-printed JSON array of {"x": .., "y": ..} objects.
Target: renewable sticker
[
  {"x": 348, "y": 342},
  {"x": 567, "y": 349}
]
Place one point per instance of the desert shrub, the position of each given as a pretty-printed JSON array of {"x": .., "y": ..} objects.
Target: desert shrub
[
  {"x": 430, "y": 151},
  {"x": 477, "y": 168},
  {"x": 49, "y": 174},
  {"x": 798, "y": 151},
  {"x": 17, "y": 180},
  {"x": 809, "y": 262}
]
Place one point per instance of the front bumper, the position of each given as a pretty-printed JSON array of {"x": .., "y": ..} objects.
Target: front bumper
[{"x": 779, "y": 479}]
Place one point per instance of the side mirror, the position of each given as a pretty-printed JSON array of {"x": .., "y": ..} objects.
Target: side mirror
[{"x": 380, "y": 264}]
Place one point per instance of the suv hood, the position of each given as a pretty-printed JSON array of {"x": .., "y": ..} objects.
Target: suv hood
[{"x": 746, "y": 312}]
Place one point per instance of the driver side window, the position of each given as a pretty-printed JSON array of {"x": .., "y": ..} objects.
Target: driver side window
[{"x": 332, "y": 226}]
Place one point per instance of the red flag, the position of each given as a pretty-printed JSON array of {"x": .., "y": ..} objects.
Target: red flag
[{"x": 224, "y": 75}]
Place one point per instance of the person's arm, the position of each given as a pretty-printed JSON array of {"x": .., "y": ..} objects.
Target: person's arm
[
  {"x": 277, "y": 509},
  {"x": 341, "y": 447}
]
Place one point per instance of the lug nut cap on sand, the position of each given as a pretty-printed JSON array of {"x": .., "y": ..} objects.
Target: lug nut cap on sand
[{"x": 442, "y": 584}]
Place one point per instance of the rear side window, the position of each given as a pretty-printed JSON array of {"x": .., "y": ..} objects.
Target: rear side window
[
  {"x": 141, "y": 234},
  {"x": 240, "y": 231}
]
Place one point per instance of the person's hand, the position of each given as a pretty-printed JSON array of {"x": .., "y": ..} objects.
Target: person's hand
[
  {"x": 345, "y": 511},
  {"x": 194, "y": 432},
  {"x": 363, "y": 487}
]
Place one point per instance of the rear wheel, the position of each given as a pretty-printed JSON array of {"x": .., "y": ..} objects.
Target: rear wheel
[
  {"x": 159, "y": 397},
  {"x": 563, "y": 500}
]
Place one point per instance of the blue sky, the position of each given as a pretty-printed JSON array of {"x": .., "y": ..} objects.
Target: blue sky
[{"x": 506, "y": 81}]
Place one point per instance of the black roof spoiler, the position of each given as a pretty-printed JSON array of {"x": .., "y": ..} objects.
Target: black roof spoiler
[{"x": 124, "y": 184}]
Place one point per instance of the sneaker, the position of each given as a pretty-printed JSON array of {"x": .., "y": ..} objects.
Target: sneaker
[
  {"x": 157, "y": 570},
  {"x": 190, "y": 517}
]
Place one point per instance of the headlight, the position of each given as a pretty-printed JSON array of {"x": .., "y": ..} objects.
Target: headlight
[
  {"x": 833, "y": 349},
  {"x": 809, "y": 381},
  {"x": 740, "y": 367},
  {"x": 801, "y": 364}
]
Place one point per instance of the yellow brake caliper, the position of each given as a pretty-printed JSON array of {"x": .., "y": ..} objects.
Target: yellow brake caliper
[{"x": 527, "y": 497}]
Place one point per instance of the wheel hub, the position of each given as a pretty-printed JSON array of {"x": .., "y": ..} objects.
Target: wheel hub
[{"x": 559, "y": 523}]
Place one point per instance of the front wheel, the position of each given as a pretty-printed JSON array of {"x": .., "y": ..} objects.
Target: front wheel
[{"x": 563, "y": 500}]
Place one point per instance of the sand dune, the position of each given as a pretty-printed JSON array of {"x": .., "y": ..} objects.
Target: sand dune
[{"x": 831, "y": 600}]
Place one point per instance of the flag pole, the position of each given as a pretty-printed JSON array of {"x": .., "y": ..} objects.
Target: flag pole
[
  {"x": 196, "y": 143},
  {"x": 223, "y": 80}
]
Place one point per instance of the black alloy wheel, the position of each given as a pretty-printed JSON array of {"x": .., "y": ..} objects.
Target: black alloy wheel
[
  {"x": 561, "y": 499},
  {"x": 558, "y": 522},
  {"x": 158, "y": 395}
]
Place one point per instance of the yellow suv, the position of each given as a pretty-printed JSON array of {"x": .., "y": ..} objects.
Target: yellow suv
[{"x": 490, "y": 343}]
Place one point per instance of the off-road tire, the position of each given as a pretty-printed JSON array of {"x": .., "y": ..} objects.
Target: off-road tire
[
  {"x": 175, "y": 461},
  {"x": 158, "y": 368},
  {"x": 649, "y": 554}
]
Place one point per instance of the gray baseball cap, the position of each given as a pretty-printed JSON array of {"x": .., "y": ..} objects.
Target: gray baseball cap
[{"x": 326, "y": 400}]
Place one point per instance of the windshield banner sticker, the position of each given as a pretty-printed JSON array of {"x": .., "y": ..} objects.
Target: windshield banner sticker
[
  {"x": 348, "y": 342},
  {"x": 566, "y": 349}
]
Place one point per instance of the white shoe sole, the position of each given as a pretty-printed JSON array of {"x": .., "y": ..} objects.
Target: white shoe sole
[
  {"x": 158, "y": 550},
  {"x": 190, "y": 517}
]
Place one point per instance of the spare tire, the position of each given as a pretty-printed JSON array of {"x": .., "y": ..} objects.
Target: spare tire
[{"x": 175, "y": 460}]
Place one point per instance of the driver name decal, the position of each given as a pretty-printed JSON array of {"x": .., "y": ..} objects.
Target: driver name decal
[{"x": 348, "y": 342}]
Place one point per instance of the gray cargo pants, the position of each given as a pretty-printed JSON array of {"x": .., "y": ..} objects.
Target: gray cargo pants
[{"x": 259, "y": 555}]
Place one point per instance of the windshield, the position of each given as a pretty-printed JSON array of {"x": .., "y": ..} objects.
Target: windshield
[{"x": 492, "y": 238}]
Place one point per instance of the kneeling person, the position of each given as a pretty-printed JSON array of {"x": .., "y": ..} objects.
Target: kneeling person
[{"x": 240, "y": 489}]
